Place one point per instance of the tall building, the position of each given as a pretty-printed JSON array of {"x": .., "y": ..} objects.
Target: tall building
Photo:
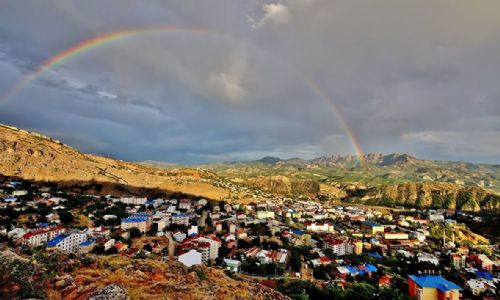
[
  {"x": 68, "y": 242},
  {"x": 40, "y": 236},
  {"x": 432, "y": 287}
]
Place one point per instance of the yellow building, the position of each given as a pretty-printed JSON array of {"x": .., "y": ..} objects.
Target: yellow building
[{"x": 432, "y": 287}]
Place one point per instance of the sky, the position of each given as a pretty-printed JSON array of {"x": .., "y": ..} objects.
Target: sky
[{"x": 291, "y": 78}]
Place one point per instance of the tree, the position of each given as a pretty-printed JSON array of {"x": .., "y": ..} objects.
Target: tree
[
  {"x": 134, "y": 233},
  {"x": 66, "y": 217}
]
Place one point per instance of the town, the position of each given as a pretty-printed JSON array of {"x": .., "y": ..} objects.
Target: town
[{"x": 296, "y": 246}]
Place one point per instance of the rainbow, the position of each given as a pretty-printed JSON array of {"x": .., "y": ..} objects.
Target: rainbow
[
  {"x": 91, "y": 44},
  {"x": 100, "y": 40},
  {"x": 339, "y": 116}
]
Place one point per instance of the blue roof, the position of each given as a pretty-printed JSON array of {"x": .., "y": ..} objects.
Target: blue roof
[
  {"x": 298, "y": 232},
  {"x": 87, "y": 242},
  {"x": 484, "y": 274},
  {"x": 352, "y": 270},
  {"x": 370, "y": 268},
  {"x": 181, "y": 216},
  {"x": 375, "y": 255},
  {"x": 134, "y": 220},
  {"x": 53, "y": 242},
  {"x": 371, "y": 224},
  {"x": 10, "y": 199},
  {"x": 434, "y": 281}
]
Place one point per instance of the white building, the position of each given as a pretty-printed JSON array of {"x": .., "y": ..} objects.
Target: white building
[
  {"x": 181, "y": 219},
  {"x": 339, "y": 247},
  {"x": 262, "y": 214},
  {"x": 319, "y": 227},
  {"x": 133, "y": 200},
  {"x": 215, "y": 244},
  {"x": 70, "y": 242},
  {"x": 40, "y": 236},
  {"x": 190, "y": 258}
]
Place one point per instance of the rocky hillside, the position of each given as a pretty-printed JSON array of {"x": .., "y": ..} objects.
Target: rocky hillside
[
  {"x": 32, "y": 156},
  {"x": 427, "y": 194},
  {"x": 119, "y": 278},
  {"x": 284, "y": 185}
]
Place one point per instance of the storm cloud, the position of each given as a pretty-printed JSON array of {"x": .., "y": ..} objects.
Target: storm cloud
[{"x": 420, "y": 77}]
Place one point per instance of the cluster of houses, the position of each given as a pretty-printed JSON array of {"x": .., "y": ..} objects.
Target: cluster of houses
[{"x": 196, "y": 231}]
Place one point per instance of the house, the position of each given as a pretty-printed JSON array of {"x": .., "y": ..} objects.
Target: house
[
  {"x": 484, "y": 262},
  {"x": 16, "y": 233},
  {"x": 86, "y": 246},
  {"x": 371, "y": 227},
  {"x": 477, "y": 286},
  {"x": 179, "y": 236},
  {"x": 185, "y": 204},
  {"x": 193, "y": 230},
  {"x": 457, "y": 260},
  {"x": 133, "y": 200},
  {"x": 396, "y": 236},
  {"x": 181, "y": 219},
  {"x": 319, "y": 227},
  {"x": 384, "y": 281},
  {"x": 232, "y": 265},
  {"x": 432, "y": 287},
  {"x": 426, "y": 257},
  {"x": 265, "y": 214},
  {"x": 190, "y": 258}
]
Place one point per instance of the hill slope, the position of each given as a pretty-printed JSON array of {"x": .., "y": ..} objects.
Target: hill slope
[{"x": 34, "y": 157}]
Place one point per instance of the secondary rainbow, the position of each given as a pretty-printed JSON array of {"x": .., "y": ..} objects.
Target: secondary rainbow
[{"x": 91, "y": 44}]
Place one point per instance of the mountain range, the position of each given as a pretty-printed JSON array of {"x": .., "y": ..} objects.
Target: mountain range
[{"x": 390, "y": 179}]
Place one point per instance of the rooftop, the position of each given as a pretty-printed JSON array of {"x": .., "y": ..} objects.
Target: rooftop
[
  {"x": 53, "y": 242},
  {"x": 434, "y": 281}
]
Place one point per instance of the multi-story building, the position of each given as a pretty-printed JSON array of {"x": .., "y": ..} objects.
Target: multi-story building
[
  {"x": 263, "y": 214},
  {"x": 141, "y": 221},
  {"x": 339, "y": 247},
  {"x": 372, "y": 228},
  {"x": 457, "y": 260},
  {"x": 133, "y": 200},
  {"x": 319, "y": 227},
  {"x": 42, "y": 235},
  {"x": 432, "y": 287},
  {"x": 185, "y": 204},
  {"x": 68, "y": 242},
  {"x": 396, "y": 236},
  {"x": 181, "y": 219},
  {"x": 484, "y": 262}
]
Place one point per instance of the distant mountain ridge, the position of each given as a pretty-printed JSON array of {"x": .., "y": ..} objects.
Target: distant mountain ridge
[{"x": 391, "y": 179}]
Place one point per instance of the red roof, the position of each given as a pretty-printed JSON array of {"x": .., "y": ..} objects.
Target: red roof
[{"x": 41, "y": 231}]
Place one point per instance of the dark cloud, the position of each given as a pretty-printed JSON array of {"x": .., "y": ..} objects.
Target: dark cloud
[{"x": 407, "y": 78}]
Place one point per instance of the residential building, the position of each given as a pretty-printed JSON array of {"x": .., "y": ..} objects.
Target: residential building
[
  {"x": 181, "y": 219},
  {"x": 232, "y": 265},
  {"x": 40, "y": 236},
  {"x": 133, "y": 200},
  {"x": 190, "y": 258},
  {"x": 86, "y": 246},
  {"x": 68, "y": 242},
  {"x": 371, "y": 228},
  {"x": 457, "y": 260},
  {"x": 432, "y": 287},
  {"x": 396, "y": 236},
  {"x": 141, "y": 221},
  {"x": 263, "y": 214}
]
